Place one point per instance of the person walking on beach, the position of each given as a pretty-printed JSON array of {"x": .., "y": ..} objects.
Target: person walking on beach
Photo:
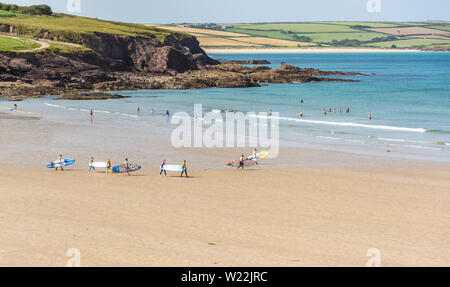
[
  {"x": 168, "y": 115},
  {"x": 60, "y": 161},
  {"x": 184, "y": 166},
  {"x": 241, "y": 162},
  {"x": 92, "y": 116},
  {"x": 15, "y": 107},
  {"x": 270, "y": 113},
  {"x": 91, "y": 167},
  {"x": 127, "y": 166},
  {"x": 255, "y": 155},
  {"x": 138, "y": 109},
  {"x": 108, "y": 166},
  {"x": 153, "y": 112},
  {"x": 162, "y": 168}
]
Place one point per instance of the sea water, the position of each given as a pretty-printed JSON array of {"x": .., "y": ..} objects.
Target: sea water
[{"x": 407, "y": 94}]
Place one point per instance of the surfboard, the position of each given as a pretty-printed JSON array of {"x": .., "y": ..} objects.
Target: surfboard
[
  {"x": 259, "y": 156},
  {"x": 58, "y": 163},
  {"x": 99, "y": 164},
  {"x": 121, "y": 168},
  {"x": 178, "y": 168},
  {"x": 247, "y": 163}
]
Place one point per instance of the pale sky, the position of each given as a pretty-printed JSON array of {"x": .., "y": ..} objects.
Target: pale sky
[{"x": 246, "y": 11}]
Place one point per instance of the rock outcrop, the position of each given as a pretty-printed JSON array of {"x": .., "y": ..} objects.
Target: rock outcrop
[{"x": 120, "y": 62}]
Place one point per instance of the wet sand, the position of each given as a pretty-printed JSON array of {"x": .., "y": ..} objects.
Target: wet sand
[{"x": 327, "y": 211}]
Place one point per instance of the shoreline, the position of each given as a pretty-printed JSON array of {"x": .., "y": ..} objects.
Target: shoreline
[{"x": 306, "y": 50}]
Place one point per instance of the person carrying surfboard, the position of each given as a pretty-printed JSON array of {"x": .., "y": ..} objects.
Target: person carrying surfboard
[
  {"x": 91, "y": 166},
  {"x": 162, "y": 168},
  {"x": 184, "y": 165},
  {"x": 60, "y": 161},
  {"x": 127, "y": 166},
  {"x": 241, "y": 162},
  {"x": 108, "y": 167}
]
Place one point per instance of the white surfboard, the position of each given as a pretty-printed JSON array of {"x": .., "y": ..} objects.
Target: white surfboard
[
  {"x": 178, "y": 168},
  {"x": 99, "y": 164}
]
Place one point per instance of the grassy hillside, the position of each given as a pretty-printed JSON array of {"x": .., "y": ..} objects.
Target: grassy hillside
[
  {"x": 16, "y": 44},
  {"x": 69, "y": 28},
  {"x": 424, "y": 35}
]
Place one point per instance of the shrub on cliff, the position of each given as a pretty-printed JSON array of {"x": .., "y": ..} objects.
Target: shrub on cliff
[{"x": 29, "y": 10}]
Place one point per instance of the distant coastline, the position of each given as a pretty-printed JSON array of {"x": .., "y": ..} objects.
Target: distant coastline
[{"x": 305, "y": 50}]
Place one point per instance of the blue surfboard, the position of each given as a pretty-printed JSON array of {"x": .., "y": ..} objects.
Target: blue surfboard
[{"x": 57, "y": 163}]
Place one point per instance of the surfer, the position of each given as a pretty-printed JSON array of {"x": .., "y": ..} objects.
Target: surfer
[
  {"x": 348, "y": 110},
  {"x": 370, "y": 117},
  {"x": 91, "y": 166},
  {"x": 340, "y": 110},
  {"x": 241, "y": 162},
  {"x": 138, "y": 109},
  {"x": 324, "y": 112},
  {"x": 255, "y": 155},
  {"x": 60, "y": 161},
  {"x": 301, "y": 102},
  {"x": 301, "y": 114},
  {"x": 108, "y": 166},
  {"x": 184, "y": 165},
  {"x": 162, "y": 168},
  {"x": 127, "y": 166}
]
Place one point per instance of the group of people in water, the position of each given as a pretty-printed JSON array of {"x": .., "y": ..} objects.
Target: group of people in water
[{"x": 325, "y": 111}]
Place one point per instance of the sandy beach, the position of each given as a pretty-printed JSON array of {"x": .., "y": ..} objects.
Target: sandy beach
[
  {"x": 259, "y": 217},
  {"x": 305, "y": 50},
  {"x": 328, "y": 214}
]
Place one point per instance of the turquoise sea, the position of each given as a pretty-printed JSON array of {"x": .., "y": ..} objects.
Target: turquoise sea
[{"x": 408, "y": 95}]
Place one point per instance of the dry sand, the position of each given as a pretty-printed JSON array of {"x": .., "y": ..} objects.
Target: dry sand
[{"x": 258, "y": 217}]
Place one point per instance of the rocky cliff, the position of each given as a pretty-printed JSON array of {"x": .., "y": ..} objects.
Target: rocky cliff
[{"x": 119, "y": 62}]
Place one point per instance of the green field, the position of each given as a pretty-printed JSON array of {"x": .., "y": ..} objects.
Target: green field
[
  {"x": 6, "y": 14},
  {"x": 10, "y": 45},
  {"x": 442, "y": 28},
  {"x": 329, "y": 37},
  {"x": 411, "y": 43},
  {"x": 369, "y": 24},
  {"x": 344, "y": 34},
  {"x": 298, "y": 27}
]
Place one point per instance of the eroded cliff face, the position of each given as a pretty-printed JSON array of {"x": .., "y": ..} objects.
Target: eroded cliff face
[
  {"x": 120, "y": 62},
  {"x": 176, "y": 53}
]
